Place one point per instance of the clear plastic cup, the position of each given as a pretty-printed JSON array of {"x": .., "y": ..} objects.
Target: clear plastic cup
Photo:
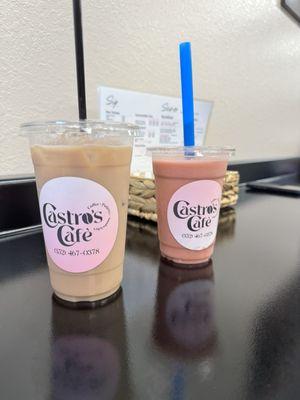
[
  {"x": 189, "y": 185},
  {"x": 82, "y": 174}
]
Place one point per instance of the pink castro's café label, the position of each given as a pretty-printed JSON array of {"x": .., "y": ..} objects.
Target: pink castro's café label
[
  {"x": 80, "y": 222},
  {"x": 193, "y": 214}
]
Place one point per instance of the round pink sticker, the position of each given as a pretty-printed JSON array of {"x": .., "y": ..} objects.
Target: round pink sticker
[
  {"x": 193, "y": 214},
  {"x": 80, "y": 222}
]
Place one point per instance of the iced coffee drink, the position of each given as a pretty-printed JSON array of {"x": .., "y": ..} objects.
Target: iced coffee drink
[{"x": 82, "y": 173}]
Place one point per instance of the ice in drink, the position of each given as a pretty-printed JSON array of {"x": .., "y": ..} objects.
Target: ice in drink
[{"x": 82, "y": 174}]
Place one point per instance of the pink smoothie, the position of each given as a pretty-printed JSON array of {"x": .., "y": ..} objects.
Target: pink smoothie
[{"x": 188, "y": 193}]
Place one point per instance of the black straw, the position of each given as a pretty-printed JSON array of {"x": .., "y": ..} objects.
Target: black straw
[{"x": 79, "y": 58}]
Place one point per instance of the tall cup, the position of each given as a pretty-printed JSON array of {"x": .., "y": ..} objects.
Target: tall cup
[
  {"x": 189, "y": 185},
  {"x": 82, "y": 175}
]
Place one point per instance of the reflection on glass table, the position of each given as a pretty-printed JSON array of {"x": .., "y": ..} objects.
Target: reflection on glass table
[
  {"x": 88, "y": 346},
  {"x": 184, "y": 317}
]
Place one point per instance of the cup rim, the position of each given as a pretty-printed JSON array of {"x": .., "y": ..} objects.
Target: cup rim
[
  {"x": 191, "y": 151},
  {"x": 88, "y": 126}
]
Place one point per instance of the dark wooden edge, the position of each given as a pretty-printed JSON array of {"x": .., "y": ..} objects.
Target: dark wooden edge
[{"x": 19, "y": 203}]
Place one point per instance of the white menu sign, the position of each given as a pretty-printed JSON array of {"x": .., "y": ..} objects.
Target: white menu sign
[{"x": 159, "y": 118}]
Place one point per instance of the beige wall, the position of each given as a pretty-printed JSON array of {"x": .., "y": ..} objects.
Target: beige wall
[{"x": 246, "y": 57}]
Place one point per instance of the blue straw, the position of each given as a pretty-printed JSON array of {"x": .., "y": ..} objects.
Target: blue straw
[{"x": 187, "y": 93}]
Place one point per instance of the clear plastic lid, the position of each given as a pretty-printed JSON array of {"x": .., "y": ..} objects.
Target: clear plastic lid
[
  {"x": 196, "y": 152},
  {"x": 79, "y": 133},
  {"x": 90, "y": 127}
]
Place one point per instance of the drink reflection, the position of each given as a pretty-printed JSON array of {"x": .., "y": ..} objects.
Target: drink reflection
[
  {"x": 89, "y": 353},
  {"x": 184, "y": 323}
]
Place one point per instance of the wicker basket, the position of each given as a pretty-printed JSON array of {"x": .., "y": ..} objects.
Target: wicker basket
[{"x": 142, "y": 201}]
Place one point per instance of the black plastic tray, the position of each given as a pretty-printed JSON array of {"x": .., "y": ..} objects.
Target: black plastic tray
[{"x": 286, "y": 184}]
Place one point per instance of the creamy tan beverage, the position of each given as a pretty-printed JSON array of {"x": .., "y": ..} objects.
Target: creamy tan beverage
[{"x": 82, "y": 180}]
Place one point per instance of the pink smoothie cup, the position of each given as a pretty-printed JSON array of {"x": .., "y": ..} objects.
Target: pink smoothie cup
[{"x": 189, "y": 183}]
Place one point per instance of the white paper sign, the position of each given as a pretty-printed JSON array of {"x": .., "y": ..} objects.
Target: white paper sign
[{"x": 159, "y": 117}]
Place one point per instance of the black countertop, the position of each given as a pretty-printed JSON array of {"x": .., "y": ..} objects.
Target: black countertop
[{"x": 228, "y": 331}]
